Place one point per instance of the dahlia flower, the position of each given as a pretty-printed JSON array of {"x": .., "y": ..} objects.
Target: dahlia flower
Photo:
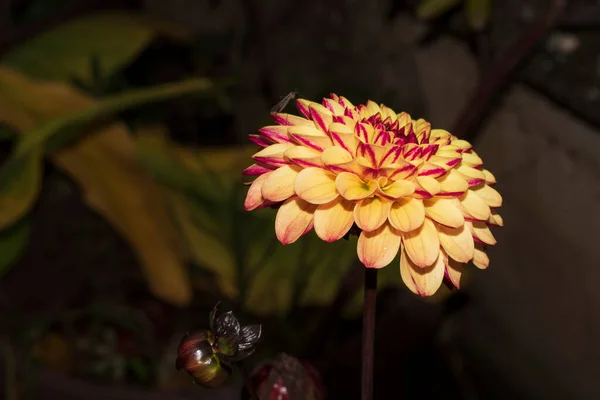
[{"x": 404, "y": 186}]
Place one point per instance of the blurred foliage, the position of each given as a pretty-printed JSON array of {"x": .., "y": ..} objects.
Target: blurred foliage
[
  {"x": 477, "y": 11},
  {"x": 174, "y": 205},
  {"x": 103, "y": 163},
  {"x": 113, "y": 40},
  {"x": 52, "y": 114}
]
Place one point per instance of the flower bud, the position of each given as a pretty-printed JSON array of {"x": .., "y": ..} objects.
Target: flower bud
[
  {"x": 208, "y": 355},
  {"x": 197, "y": 357}
]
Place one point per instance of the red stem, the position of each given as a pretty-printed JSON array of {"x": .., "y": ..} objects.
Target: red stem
[{"x": 368, "y": 333}]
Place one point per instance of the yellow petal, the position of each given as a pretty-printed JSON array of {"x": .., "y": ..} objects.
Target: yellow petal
[
  {"x": 372, "y": 107},
  {"x": 474, "y": 206},
  {"x": 378, "y": 248},
  {"x": 273, "y": 153},
  {"x": 293, "y": 219},
  {"x": 407, "y": 214},
  {"x": 388, "y": 112},
  {"x": 321, "y": 109},
  {"x": 333, "y": 106},
  {"x": 304, "y": 106},
  {"x": 364, "y": 131},
  {"x": 397, "y": 189},
  {"x": 421, "y": 127},
  {"x": 351, "y": 187},
  {"x": 333, "y": 220},
  {"x": 490, "y": 195},
  {"x": 422, "y": 245},
  {"x": 472, "y": 159},
  {"x": 495, "y": 219},
  {"x": 345, "y": 140},
  {"x": 454, "y": 270},
  {"x": 439, "y": 134},
  {"x": 291, "y": 119},
  {"x": 422, "y": 281},
  {"x": 453, "y": 183},
  {"x": 472, "y": 175},
  {"x": 354, "y": 167},
  {"x": 444, "y": 162},
  {"x": 304, "y": 156},
  {"x": 280, "y": 183},
  {"x": 404, "y": 119},
  {"x": 345, "y": 102},
  {"x": 275, "y": 133},
  {"x": 373, "y": 153},
  {"x": 398, "y": 169},
  {"x": 462, "y": 144},
  {"x": 445, "y": 211},
  {"x": 371, "y": 213},
  {"x": 335, "y": 155},
  {"x": 446, "y": 152},
  {"x": 338, "y": 127},
  {"x": 483, "y": 233},
  {"x": 254, "y": 197},
  {"x": 431, "y": 170},
  {"x": 426, "y": 187},
  {"x": 310, "y": 136},
  {"x": 480, "y": 258},
  {"x": 457, "y": 242},
  {"x": 490, "y": 179},
  {"x": 316, "y": 185}
]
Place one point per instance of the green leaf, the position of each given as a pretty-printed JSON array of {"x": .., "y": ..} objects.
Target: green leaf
[
  {"x": 429, "y": 9},
  {"x": 12, "y": 243},
  {"x": 478, "y": 13},
  {"x": 114, "y": 39},
  {"x": 154, "y": 154}
]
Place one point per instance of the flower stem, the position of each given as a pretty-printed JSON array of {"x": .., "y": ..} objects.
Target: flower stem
[
  {"x": 368, "y": 333},
  {"x": 247, "y": 381}
]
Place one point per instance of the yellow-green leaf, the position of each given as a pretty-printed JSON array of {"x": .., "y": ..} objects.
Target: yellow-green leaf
[
  {"x": 428, "y": 9},
  {"x": 199, "y": 183},
  {"x": 114, "y": 184},
  {"x": 20, "y": 177},
  {"x": 105, "y": 166},
  {"x": 64, "y": 110},
  {"x": 478, "y": 13},
  {"x": 67, "y": 51},
  {"x": 204, "y": 247}
]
